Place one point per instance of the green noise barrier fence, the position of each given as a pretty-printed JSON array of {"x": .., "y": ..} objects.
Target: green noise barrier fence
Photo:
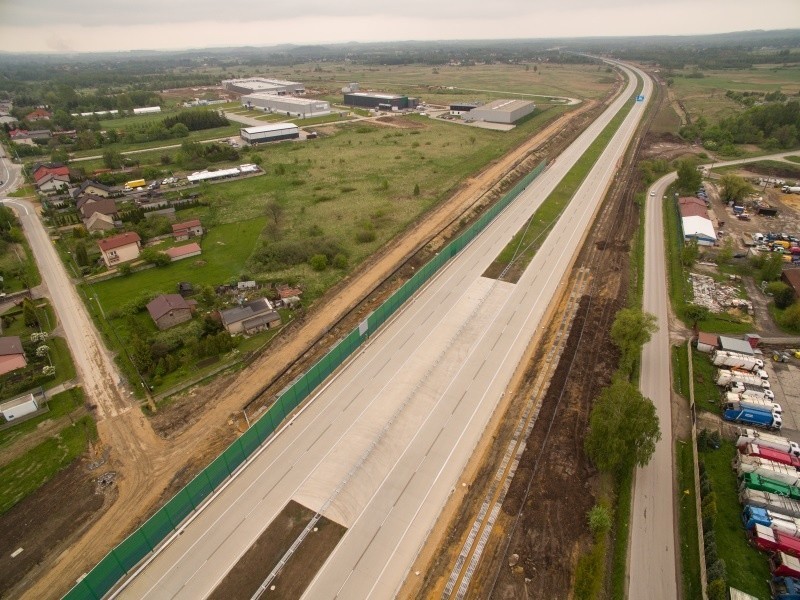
[{"x": 129, "y": 553}]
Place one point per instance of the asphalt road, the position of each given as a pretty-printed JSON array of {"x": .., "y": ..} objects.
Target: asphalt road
[
  {"x": 90, "y": 356},
  {"x": 381, "y": 447},
  {"x": 653, "y": 571}
]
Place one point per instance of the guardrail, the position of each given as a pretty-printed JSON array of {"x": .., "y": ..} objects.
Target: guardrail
[{"x": 130, "y": 552}]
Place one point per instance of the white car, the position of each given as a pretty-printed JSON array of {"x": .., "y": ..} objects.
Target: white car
[{"x": 652, "y": 193}]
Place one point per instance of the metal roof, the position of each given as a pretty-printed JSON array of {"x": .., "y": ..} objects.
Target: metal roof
[
  {"x": 735, "y": 345},
  {"x": 17, "y": 401},
  {"x": 698, "y": 227},
  {"x": 269, "y": 128},
  {"x": 505, "y": 105},
  {"x": 10, "y": 345}
]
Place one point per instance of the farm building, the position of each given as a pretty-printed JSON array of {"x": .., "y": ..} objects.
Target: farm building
[
  {"x": 185, "y": 251},
  {"x": 502, "y": 111},
  {"x": 19, "y": 407},
  {"x": 381, "y": 101},
  {"x": 302, "y": 108},
  {"x": 169, "y": 310},
  {"x": 272, "y": 132},
  {"x": 187, "y": 229},
  {"x": 252, "y": 85},
  {"x": 695, "y": 222}
]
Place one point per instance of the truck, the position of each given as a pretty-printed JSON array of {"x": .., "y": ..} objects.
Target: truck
[
  {"x": 770, "y": 501},
  {"x": 777, "y": 456},
  {"x": 754, "y": 481},
  {"x": 783, "y": 565},
  {"x": 760, "y": 403},
  {"x": 753, "y": 515},
  {"x": 769, "y": 540},
  {"x": 791, "y": 189},
  {"x": 784, "y": 588},
  {"x": 755, "y": 391},
  {"x": 766, "y": 468},
  {"x": 724, "y": 358},
  {"x": 726, "y": 376},
  {"x": 767, "y": 440},
  {"x": 735, "y": 412},
  {"x": 136, "y": 183}
]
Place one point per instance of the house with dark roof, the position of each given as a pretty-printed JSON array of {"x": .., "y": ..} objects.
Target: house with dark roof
[
  {"x": 169, "y": 310},
  {"x": 120, "y": 248},
  {"x": 791, "y": 277},
  {"x": 92, "y": 187},
  {"x": 99, "y": 222},
  {"x": 187, "y": 229},
  {"x": 88, "y": 205},
  {"x": 12, "y": 356},
  {"x": 251, "y": 317}
]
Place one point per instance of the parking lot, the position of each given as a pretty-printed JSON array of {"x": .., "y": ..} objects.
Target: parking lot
[{"x": 785, "y": 381}]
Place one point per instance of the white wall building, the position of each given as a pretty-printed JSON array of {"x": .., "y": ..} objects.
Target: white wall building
[
  {"x": 19, "y": 407},
  {"x": 302, "y": 108},
  {"x": 251, "y": 85},
  {"x": 147, "y": 110},
  {"x": 272, "y": 132},
  {"x": 502, "y": 111}
]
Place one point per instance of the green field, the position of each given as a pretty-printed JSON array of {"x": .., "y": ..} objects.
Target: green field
[
  {"x": 747, "y": 568},
  {"x": 225, "y": 250},
  {"x": 705, "y": 96}
]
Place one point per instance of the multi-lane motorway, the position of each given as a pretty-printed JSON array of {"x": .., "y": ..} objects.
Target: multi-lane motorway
[{"x": 381, "y": 447}]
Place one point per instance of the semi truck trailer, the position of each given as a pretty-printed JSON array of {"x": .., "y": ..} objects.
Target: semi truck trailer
[
  {"x": 737, "y": 413},
  {"x": 767, "y": 440},
  {"x": 777, "y": 456},
  {"x": 725, "y": 358},
  {"x": 773, "y": 502}
]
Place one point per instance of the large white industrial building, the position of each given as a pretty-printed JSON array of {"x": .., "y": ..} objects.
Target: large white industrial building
[
  {"x": 302, "y": 108},
  {"x": 501, "y": 111},
  {"x": 272, "y": 132},
  {"x": 252, "y": 85}
]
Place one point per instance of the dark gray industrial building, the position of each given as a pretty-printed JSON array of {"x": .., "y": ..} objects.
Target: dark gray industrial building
[{"x": 380, "y": 101}]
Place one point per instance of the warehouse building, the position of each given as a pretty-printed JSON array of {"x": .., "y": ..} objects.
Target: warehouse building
[
  {"x": 272, "y": 132},
  {"x": 695, "y": 222},
  {"x": 379, "y": 101},
  {"x": 302, "y": 108},
  {"x": 462, "y": 108},
  {"x": 502, "y": 111},
  {"x": 254, "y": 85}
]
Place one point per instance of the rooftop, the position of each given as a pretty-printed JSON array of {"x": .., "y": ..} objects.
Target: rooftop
[
  {"x": 376, "y": 95},
  {"x": 246, "y": 311},
  {"x": 17, "y": 401},
  {"x": 506, "y": 105},
  {"x": 10, "y": 345},
  {"x": 186, "y": 225},
  {"x": 286, "y": 99},
  {"x": 270, "y": 127},
  {"x": 735, "y": 345},
  {"x": 162, "y": 305},
  {"x": 117, "y": 241},
  {"x": 179, "y": 251}
]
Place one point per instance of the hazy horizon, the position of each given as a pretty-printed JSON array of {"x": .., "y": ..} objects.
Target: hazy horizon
[{"x": 85, "y": 26}]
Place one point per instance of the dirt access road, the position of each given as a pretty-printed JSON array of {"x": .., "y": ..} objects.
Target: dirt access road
[{"x": 147, "y": 464}]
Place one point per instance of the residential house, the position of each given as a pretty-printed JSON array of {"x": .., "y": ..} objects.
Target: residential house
[
  {"x": 188, "y": 229},
  {"x": 120, "y": 248},
  {"x": 99, "y": 222},
  {"x": 40, "y": 114},
  {"x": 185, "y": 251},
  {"x": 53, "y": 183},
  {"x": 90, "y": 204},
  {"x": 169, "y": 310},
  {"x": 92, "y": 187},
  {"x": 42, "y": 169},
  {"x": 251, "y": 317},
  {"x": 12, "y": 356}
]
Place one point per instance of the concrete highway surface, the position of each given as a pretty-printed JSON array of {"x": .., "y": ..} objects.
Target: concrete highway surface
[{"x": 382, "y": 445}]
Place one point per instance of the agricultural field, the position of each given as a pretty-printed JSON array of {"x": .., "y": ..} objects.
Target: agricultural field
[{"x": 705, "y": 96}]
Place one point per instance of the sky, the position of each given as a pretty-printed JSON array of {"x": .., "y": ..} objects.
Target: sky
[{"x": 59, "y": 26}]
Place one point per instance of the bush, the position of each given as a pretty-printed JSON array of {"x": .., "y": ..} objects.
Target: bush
[
  {"x": 717, "y": 571},
  {"x": 340, "y": 261},
  {"x": 717, "y": 590},
  {"x": 318, "y": 262},
  {"x": 125, "y": 269},
  {"x": 781, "y": 293},
  {"x": 600, "y": 519}
]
